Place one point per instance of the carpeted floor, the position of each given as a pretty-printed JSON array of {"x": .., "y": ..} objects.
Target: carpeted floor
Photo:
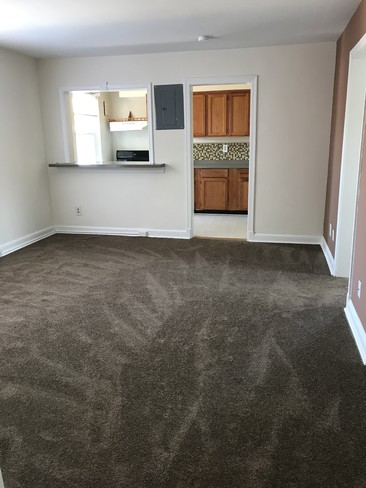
[{"x": 135, "y": 362}]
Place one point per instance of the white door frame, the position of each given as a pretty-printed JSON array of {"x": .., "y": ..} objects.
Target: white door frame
[
  {"x": 226, "y": 80},
  {"x": 350, "y": 162}
]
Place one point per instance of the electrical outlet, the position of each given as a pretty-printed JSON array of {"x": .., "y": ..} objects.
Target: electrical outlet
[
  {"x": 330, "y": 230},
  {"x": 78, "y": 211},
  {"x": 359, "y": 288},
  {"x": 224, "y": 148}
]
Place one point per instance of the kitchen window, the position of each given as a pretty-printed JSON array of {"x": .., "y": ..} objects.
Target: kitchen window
[{"x": 86, "y": 124}]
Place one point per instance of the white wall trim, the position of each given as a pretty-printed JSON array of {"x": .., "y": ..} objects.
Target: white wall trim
[
  {"x": 24, "y": 241},
  {"x": 105, "y": 87},
  {"x": 350, "y": 165},
  {"x": 356, "y": 51},
  {"x": 357, "y": 329},
  {"x": 219, "y": 80},
  {"x": 283, "y": 238},
  {"x": 120, "y": 231},
  {"x": 252, "y": 153},
  {"x": 328, "y": 256},
  {"x": 131, "y": 232}
]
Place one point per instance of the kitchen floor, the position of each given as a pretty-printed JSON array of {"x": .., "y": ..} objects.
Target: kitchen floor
[{"x": 223, "y": 226}]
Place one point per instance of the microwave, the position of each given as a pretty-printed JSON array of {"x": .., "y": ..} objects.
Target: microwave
[{"x": 132, "y": 155}]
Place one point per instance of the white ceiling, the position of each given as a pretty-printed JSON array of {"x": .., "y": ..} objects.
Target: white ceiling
[{"x": 47, "y": 28}]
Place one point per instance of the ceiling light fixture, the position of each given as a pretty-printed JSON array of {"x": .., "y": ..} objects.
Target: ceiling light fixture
[{"x": 203, "y": 38}]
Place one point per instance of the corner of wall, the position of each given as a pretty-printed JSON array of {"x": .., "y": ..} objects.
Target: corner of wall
[
  {"x": 12, "y": 246},
  {"x": 328, "y": 256},
  {"x": 357, "y": 329}
]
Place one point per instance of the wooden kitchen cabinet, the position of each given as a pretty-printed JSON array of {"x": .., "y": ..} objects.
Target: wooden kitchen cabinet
[
  {"x": 221, "y": 189},
  {"x": 199, "y": 114},
  {"x": 211, "y": 189},
  {"x": 238, "y": 189},
  {"x": 239, "y": 113},
  {"x": 216, "y": 114},
  {"x": 221, "y": 114},
  {"x": 244, "y": 189}
]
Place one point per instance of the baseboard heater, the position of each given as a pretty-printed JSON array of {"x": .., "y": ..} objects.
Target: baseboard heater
[{"x": 132, "y": 234}]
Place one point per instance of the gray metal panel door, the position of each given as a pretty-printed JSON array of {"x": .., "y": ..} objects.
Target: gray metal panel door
[{"x": 169, "y": 107}]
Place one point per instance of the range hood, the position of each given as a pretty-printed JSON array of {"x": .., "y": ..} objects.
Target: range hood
[{"x": 124, "y": 125}]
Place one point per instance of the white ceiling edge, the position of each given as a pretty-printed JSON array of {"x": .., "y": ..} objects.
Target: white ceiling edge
[{"x": 44, "y": 29}]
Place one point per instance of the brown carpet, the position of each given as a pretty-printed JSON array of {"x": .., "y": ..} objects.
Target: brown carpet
[{"x": 135, "y": 362}]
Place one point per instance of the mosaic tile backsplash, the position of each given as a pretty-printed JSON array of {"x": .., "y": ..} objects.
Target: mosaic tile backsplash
[{"x": 213, "y": 151}]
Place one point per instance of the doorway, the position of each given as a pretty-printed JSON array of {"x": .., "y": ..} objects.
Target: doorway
[
  {"x": 350, "y": 158},
  {"x": 221, "y": 149}
]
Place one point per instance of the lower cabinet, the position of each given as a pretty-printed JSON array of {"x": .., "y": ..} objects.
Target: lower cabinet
[{"x": 221, "y": 189}]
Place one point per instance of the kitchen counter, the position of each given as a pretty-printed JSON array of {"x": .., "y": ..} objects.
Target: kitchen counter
[
  {"x": 221, "y": 164},
  {"x": 113, "y": 165}
]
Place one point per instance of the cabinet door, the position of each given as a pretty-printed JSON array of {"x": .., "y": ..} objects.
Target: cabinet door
[
  {"x": 243, "y": 189},
  {"x": 234, "y": 190},
  {"x": 213, "y": 189},
  {"x": 197, "y": 189},
  {"x": 239, "y": 113},
  {"x": 238, "y": 189},
  {"x": 216, "y": 114},
  {"x": 199, "y": 115}
]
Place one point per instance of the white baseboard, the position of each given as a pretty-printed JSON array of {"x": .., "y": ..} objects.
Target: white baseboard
[
  {"x": 24, "y": 241},
  {"x": 357, "y": 329},
  {"x": 283, "y": 238},
  {"x": 328, "y": 256},
  {"x": 119, "y": 231}
]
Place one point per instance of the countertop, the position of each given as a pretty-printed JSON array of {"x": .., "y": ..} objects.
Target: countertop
[
  {"x": 243, "y": 163},
  {"x": 113, "y": 165}
]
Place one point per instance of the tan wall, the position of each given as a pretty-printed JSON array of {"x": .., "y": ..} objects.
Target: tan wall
[
  {"x": 25, "y": 204},
  {"x": 359, "y": 256},
  {"x": 352, "y": 34},
  {"x": 295, "y": 86}
]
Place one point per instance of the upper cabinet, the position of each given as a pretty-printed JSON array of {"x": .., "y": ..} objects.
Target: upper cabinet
[
  {"x": 221, "y": 114},
  {"x": 239, "y": 113},
  {"x": 217, "y": 112},
  {"x": 199, "y": 114}
]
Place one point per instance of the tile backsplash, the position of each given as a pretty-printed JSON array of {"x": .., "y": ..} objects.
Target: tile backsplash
[{"x": 213, "y": 151}]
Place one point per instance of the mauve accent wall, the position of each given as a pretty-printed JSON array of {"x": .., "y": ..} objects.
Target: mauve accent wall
[
  {"x": 359, "y": 255},
  {"x": 350, "y": 37}
]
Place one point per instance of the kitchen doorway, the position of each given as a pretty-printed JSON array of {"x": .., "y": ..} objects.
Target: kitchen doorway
[
  {"x": 221, "y": 155},
  {"x": 350, "y": 165}
]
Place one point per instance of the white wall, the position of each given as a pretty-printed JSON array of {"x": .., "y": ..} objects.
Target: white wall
[
  {"x": 294, "y": 105},
  {"x": 25, "y": 206}
]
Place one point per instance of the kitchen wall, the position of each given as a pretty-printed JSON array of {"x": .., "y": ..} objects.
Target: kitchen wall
[
  {"x": 350, "y": 37},
  {"x": 294, "y": 106},
  {"x": 111, "y": 106},
  {"x": 120, "y": 108},
  {"x": 25, "y": 206}
]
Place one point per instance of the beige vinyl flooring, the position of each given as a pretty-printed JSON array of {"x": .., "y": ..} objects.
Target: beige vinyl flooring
[{"x": 220, "y": 226}]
